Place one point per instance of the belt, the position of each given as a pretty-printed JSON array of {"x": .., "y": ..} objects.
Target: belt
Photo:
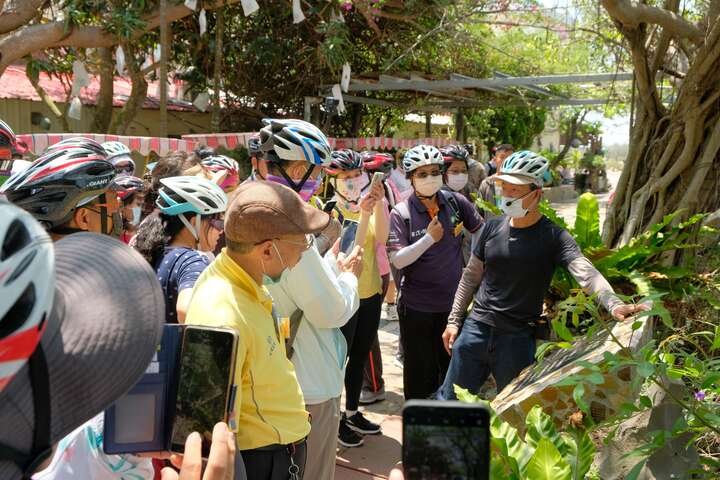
[{"x": 277, "y": 446}]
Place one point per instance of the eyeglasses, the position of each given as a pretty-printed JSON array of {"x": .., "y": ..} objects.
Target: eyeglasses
[
  {"x": 218, "y": 224},
  {"x": 434, "y": 173},
  {"x": 308, "y": 243}
]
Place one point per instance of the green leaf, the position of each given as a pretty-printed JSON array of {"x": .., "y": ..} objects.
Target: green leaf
[
  {"x": 596, "y": 378},
  {"x": 578, "y": 393},
  {"x": 716, "y": 341},
  {"x": 547, "y": 463},
  {"x": 540, "y": 425},
  {"x": 561, "y": 329},
  {"x": 581, "y": 452},
  {"x": 645, "y": 369},
  {"x": 587, "y": 222},
  {"x": 633, "y": 474},
  {"x": 545, "y": 208},
  {"x": 487, "y": 206},
  {"x": 645, "y": 401},
  {"x": 509, "y": 446}
]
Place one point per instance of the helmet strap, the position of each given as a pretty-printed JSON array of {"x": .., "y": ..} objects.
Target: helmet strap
[
  {"x": 103, "y": 215},
  {"x": 296, "y": 186},
  {"x": 195, "y": 232}
]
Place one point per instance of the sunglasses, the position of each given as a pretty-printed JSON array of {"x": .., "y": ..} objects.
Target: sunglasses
[{"x": 218, "y": 224}]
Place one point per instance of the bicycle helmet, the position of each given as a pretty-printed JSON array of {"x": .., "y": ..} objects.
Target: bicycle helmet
[
  {"x": 78, "y": 142},
  {"x": 452, "y": 153},
  {"x": 115, "y": 149},
  {"x": 470, "y": 148},
  {"x": 126, "y": 186},
  {"x": 180, "y": 195},
  {"x": 344, "y": 160},
  {"x": 523, "y": 168},
  {"x": 10, "y": 146},
  {"x": 294, "y": 140},
  {"x": 420, "y": 156},
  {"x": 59, "y": 182},
  {"x": 204, "y": 152},
  {"x": 378, "y": 162},
  {"x": 27, "y": 287},
  {"x": 217, "y": 163}
]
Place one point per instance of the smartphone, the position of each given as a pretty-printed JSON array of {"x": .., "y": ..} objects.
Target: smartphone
[
  {"x": 376, "y": 178},
  {"x": 347, "y": 235},
  {"x": 445, "y": 441},
  {"x": 140, "y": 420},
  {"x": 205, "y": 391}
]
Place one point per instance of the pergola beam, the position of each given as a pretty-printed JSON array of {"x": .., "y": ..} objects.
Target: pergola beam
[
  {"x": 452, "y": 106},
  {"x": 396, "y": 84}
]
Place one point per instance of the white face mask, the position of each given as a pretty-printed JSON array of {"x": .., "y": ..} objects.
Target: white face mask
[
  {"x": 428, "y": 186},
  {"x": 351, "y": 188},
  {"x": 512, "y": 207},
  {"x": 136, "y": 213},
  {"x": 457, "y": 181}
]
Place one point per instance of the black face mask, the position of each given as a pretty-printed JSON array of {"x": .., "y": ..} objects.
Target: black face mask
[{"x": 41, "y": 450}]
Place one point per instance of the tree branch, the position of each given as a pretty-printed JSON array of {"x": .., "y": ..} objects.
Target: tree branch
[
  {"x": 34, "y": 38},
  {"x": 15, "y": 14},
  {"x": 633, "y": 14}
]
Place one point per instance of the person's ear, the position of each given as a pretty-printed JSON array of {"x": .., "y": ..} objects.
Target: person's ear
[
  {"x": 266, "y": 250},
  {"x": 81, "y": 219}
]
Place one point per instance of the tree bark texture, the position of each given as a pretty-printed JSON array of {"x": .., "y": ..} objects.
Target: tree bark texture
[
  {"x": 138, "y": 93},
  {"x": 104, "y": 108},
  {"x": 673, "y": 161},
  {"x": 217, "y": 73}
]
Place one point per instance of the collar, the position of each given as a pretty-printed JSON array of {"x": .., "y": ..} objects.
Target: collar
[
  {"x": 240, "y": 278},
  {"x": 420, "y": 207}
]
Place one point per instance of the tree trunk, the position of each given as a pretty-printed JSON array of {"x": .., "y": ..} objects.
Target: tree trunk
[
  {"x": 356, "y": 111},
  {"x": 104, "y": 107},
  {"x": 575, "y": 123},
  {"x": 673, "y": 160},
  {"x": 219, "y": 32},
  {"x": 138, "y": 94},
  {"x": 163, "y": 80}
]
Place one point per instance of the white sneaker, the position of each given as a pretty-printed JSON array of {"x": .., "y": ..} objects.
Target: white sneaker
[{"x": 391, "y": 313}]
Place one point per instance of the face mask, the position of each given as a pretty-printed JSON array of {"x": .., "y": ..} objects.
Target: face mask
[
  {"x": 136, "y": 213},
  {"x": 267, "y": 279},
  {"x": 230, "y": 181},
  {"x": 457, "y": 181},
  {"x": 512, "y": 207},
  {"x": 428, "y": 186},
  {"x": 306, "y": 190},
  {"x": 352, "y": 188}
]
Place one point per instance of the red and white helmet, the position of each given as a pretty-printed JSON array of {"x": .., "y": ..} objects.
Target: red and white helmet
[
  {"x": 216, "y": 163},
  {"x": 10, "y": 146},
  {"x": 27, "y": 287},
  {"x": 59, "y": 182},
  {"x": 127, "y": 185},
  {"x": 77, "y": 142}
]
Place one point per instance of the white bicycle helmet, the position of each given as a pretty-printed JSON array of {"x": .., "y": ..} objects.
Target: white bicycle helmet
[
  {"x": 294, "y": 140},
  {"x": 180, "y": 195},
  {"x": 27, "y": 287},
  {"x": 77, "y": 142},
  {"x": 523, "y": 168},
  {"x": 217, "y": 163},
  {"x": 421, "y": 155},
  {"x": 115, "y": 149}
]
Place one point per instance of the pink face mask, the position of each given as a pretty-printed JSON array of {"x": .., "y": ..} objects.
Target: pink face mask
[
  {"x": 230, "y": 181},
  {"x": 306, "y": 191}
]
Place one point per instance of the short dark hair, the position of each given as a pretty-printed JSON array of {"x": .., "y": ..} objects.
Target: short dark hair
[{"x": 504, "y": 146}]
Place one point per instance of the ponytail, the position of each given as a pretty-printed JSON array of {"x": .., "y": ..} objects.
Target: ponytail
[{"x": 155, "y": 233}]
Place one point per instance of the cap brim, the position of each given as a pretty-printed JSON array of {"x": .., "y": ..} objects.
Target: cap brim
[
  {"x": 515, "y": 179},
  {"x": 104, "y": 328}
]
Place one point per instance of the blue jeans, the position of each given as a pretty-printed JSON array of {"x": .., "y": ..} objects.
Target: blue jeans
[{"x": 480, "y": 350}]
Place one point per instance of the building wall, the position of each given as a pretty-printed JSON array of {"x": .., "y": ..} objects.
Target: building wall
[{"x": 146, "y": 123}]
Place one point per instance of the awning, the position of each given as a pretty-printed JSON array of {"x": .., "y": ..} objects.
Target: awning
[
  {"x": 38, "y": 142},
  {"x": 232, "y": 140}
]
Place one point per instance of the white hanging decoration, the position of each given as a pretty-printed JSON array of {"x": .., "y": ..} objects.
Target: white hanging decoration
[
  {"x": 345, "y": 77},
  {"x": 202, "y": 101},
  {"x": 249, "y": 7},
  {"x": 202, "y": 20},
  {"x": 75, "y": 110},
  {"x": 298, "y": 15},
  {"x": 337, "y": 94},
  {"x": 191, "y": 4},
  {"x": 157, "y": 52},
  {"x": 337, "y": 16},
  {"x": 120, "y": 61},
  {"x": 81, "y": 78}
]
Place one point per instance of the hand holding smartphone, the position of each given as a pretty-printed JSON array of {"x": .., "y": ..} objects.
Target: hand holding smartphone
[{"x": 445, "y": 441}]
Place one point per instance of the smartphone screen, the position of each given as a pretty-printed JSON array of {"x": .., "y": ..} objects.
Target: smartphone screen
[
  {"x": 347, "y": 236},
  {"x": 445, "y": 441},
  {"x": 204, "y": 387}
]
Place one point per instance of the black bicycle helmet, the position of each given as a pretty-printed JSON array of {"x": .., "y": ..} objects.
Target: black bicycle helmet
[
  {"x": 58, "y": 183},
  {"x": 451, "y": 153},
  {"x": 344, "y": 160},
  {"x": 254, "y": 146}
]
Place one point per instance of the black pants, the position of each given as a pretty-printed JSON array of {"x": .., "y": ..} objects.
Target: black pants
[
  {"x": 274, "y": 464},
  {"x": 373, "y": 371},
  {"x": 360, "y": 331},
  {"x": 426, "y": 361}
]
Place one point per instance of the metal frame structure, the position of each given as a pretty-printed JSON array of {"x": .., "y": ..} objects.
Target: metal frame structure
[{"x": 459, "y": 92}]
